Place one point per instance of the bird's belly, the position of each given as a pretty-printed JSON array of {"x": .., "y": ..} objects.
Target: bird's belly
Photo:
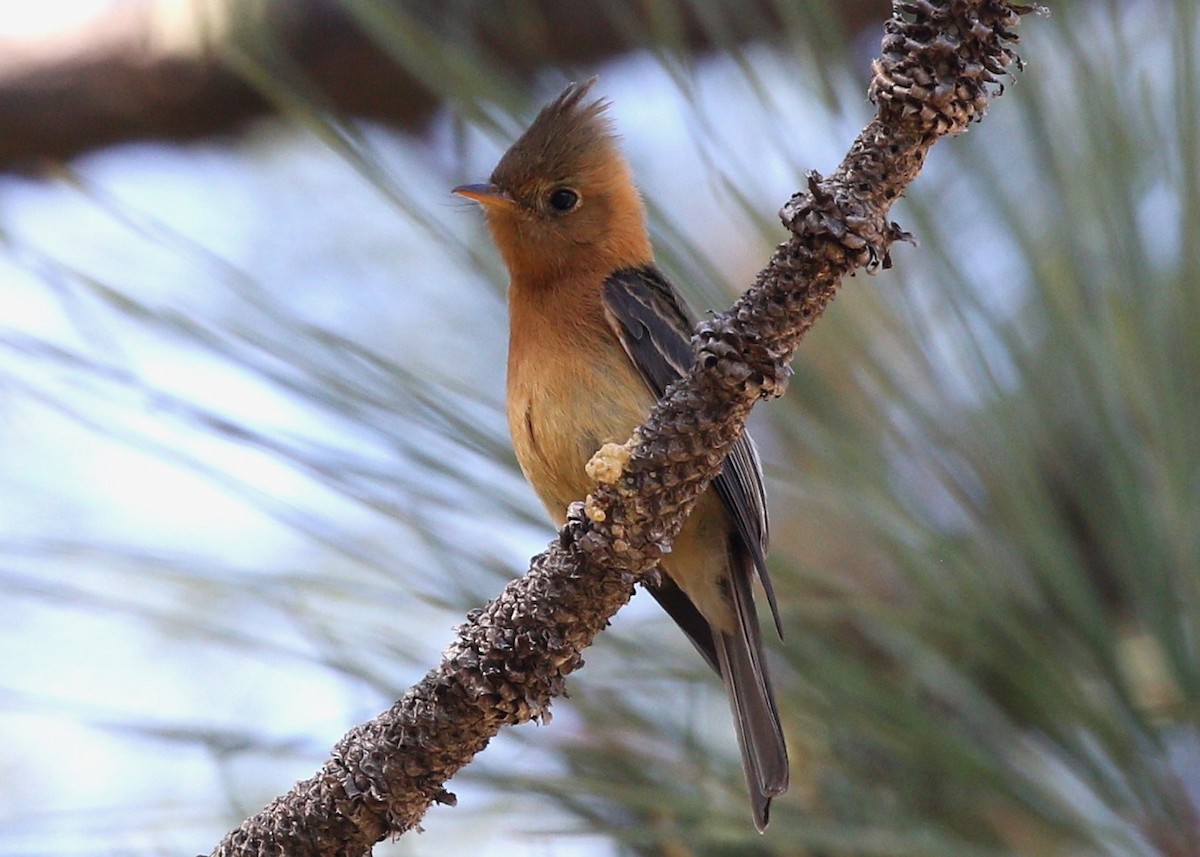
[{"x": 560, "y": 415}]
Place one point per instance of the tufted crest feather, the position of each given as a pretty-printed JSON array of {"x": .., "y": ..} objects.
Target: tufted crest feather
[{"x": 569, "y": 138}]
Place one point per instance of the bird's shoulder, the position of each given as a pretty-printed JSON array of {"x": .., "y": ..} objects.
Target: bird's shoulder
[{"x": 652, "y": 321}]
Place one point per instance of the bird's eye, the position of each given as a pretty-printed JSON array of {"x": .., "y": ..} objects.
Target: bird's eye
[{"x": 564, "y": 199}]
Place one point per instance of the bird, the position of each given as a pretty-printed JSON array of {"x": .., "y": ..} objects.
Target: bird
[{"x": 596, "y": 334}]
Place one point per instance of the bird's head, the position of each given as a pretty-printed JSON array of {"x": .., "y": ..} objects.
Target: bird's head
[{"x": 562, "y": 201}]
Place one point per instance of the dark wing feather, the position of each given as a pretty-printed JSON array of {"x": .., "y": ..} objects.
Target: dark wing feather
[
  {"x": 655, "y": 327},
  {"x": 653, "y": 323}
]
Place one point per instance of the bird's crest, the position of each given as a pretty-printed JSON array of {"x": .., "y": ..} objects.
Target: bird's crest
[{"x": 570, "y": 136}]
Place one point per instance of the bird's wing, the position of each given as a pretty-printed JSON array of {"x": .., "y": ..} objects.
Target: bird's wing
[{"x": 655, "y": 328}]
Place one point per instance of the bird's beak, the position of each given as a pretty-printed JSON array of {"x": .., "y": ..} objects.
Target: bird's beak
[{"x": 485, "y": 194}]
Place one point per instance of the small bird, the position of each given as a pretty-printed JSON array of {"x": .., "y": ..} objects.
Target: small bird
[{"x": 596, "y": 334}]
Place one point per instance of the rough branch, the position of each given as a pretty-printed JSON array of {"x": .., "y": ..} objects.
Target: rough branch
[{"x": 937, "y": 70}]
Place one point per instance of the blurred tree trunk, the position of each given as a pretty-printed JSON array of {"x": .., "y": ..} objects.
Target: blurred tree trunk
[{"x": 120, "y": 85}]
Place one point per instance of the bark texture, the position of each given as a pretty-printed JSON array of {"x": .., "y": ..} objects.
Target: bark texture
[{"x": 940, "y": 63}]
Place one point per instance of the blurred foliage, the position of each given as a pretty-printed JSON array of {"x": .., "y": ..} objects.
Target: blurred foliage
[
  {"x": 984, "y": 478},
  {"x": 990, "y": 546}
]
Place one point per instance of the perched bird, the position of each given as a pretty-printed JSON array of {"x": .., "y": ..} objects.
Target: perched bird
[{"x": 596, "y": 333}]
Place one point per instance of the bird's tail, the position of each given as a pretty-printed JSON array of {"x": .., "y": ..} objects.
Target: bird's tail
[{"x": 760, "y": 734}]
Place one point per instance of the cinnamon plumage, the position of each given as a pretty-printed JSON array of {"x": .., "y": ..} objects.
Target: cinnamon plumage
[{"x": 596, "y": 333}]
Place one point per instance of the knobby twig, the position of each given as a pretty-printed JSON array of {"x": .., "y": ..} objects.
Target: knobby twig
[{"x": 939, "y": 66}]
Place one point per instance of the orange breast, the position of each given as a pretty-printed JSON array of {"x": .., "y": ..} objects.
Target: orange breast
[{"x": 571, "y": 388}]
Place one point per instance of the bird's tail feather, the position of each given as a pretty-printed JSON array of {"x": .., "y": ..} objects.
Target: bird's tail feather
[{"x": 760, "y": 734}]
